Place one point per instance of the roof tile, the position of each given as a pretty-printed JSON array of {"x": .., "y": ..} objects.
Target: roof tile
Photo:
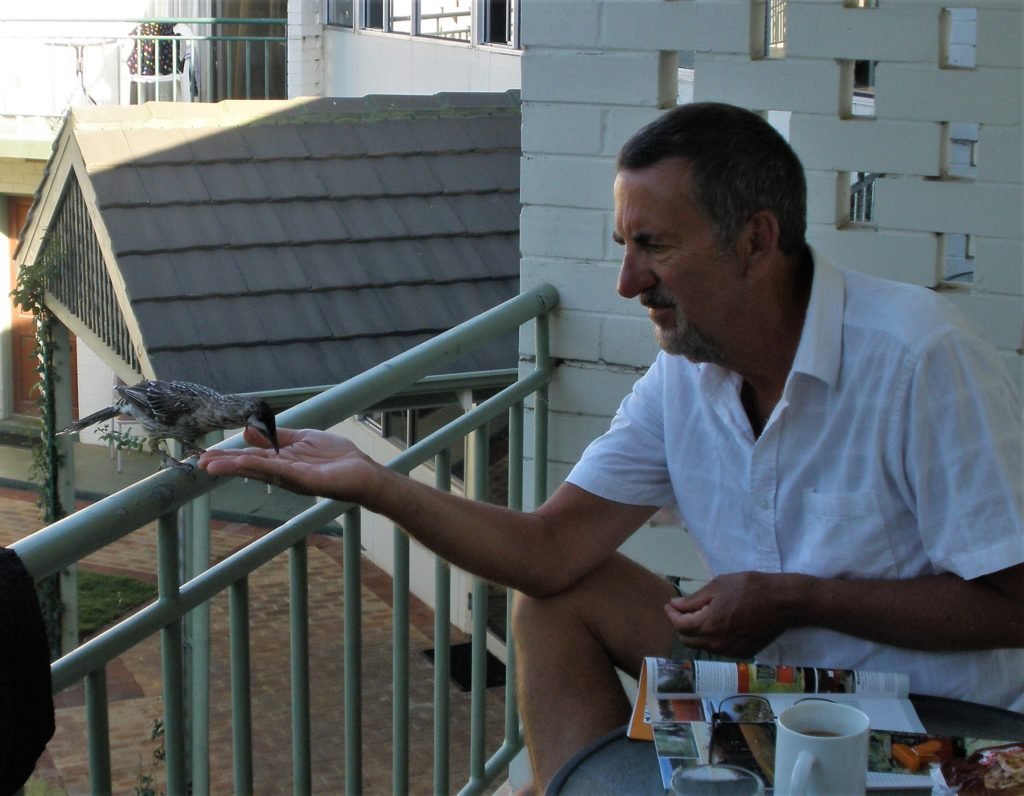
[
  {"x": 228, "y": 181},
  {"x": 217, "y": 144},
  {"x": 157, "y": 145},
  {"x": 274, "y": 141},
  {"x": 286, "y": 244},
  {"x": 393, "y": 136}
]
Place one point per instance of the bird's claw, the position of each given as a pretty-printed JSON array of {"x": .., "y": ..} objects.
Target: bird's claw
[{"x": 167, "y": 461}]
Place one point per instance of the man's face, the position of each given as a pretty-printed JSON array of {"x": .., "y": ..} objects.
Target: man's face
[{"x": 673, "y": 262}]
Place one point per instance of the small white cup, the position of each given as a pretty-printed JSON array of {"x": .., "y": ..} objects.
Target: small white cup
[{"x": 821, "y": 748}]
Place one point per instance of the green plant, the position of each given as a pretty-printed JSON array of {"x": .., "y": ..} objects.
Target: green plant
[
  {"x": 40, "y": 787},
  {"x": 30, "y": 295},
  {"x": 103, "y": 598},
  {"x": 147, "y": 783},
  {"x": 121, "y": 439}
]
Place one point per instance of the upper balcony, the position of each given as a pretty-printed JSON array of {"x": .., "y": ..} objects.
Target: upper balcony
[{"x": 55, "y": 63}]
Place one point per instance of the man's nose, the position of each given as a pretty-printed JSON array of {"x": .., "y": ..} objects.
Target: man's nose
[{"x": 634, "y": 276}]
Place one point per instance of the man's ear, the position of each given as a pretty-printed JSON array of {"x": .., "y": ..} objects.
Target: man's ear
[{"x": 760, "y": 239}]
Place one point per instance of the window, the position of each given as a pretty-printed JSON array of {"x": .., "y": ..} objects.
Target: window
[
  {"x": 862, "y": 198},
  {"x": 500, "y": 23},
  {"x": 469, "y": 21},
  {"x": 406, "y": 427},
  {"x": 340, "y": 13},
  {"x": 446, "y": 19},
  {"x": 775, "y": 29},
  {"x": 373, "y": 14}
]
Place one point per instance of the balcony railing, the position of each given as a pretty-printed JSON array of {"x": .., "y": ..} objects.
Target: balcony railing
[
  {"x": 127, "y": 61},
  {"x": 159, "y": 498}
]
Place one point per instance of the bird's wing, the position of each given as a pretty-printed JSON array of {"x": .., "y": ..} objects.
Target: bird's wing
[{"x": 166, "y": 401}]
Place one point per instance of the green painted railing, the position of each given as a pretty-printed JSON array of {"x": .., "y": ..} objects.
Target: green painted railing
[
  {"x": 159, "y": 497},
  {"x": 231, "y": 58}
]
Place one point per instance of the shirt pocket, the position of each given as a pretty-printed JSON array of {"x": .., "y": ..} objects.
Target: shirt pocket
[{"x": 845, "y": 537}]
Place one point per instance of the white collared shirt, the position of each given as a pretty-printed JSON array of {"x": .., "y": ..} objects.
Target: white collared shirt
[{"x": 895, "y": 451}]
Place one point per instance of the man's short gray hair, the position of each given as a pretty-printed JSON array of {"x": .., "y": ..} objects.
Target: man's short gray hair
[{"x": 739, "y": 164}]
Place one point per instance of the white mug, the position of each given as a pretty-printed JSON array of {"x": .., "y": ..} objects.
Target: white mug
[{"x": 821, "y": 748}]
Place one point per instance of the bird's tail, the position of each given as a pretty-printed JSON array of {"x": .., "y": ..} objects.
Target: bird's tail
[{"x": 96, "y": 417}]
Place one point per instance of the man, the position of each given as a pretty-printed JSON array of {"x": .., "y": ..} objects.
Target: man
[{"x": 846, "y": 454}]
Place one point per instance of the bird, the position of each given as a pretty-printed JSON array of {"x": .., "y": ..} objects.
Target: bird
[{"x": 183, "y": 411}]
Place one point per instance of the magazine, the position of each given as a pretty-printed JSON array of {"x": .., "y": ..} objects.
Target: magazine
[{"x": 676, "y": 700}]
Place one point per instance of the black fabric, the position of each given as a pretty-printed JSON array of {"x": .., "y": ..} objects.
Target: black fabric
[{"x": 26, "y": 696}]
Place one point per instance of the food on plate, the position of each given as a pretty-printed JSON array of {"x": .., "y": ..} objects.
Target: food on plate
[{"x": 995, "y": 770}]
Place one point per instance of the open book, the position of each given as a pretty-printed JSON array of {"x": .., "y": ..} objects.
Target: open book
[{"x": 676, "y": 700}]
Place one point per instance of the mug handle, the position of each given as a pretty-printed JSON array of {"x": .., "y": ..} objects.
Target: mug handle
[{"x": 801, "y": 773}]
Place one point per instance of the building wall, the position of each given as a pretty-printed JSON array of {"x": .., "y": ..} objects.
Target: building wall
[
  {"x": 365, "y": 62},
  {"x": 305, "y": 49},
  {"x": 595, "y": 71},
  {"x": 20, "y": 176}
]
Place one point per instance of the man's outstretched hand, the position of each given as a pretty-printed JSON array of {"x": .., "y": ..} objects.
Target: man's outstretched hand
[{"x": 309, "y": 463}]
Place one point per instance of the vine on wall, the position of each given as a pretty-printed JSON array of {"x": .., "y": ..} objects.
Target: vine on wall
[{"x": 29, "y": 295}]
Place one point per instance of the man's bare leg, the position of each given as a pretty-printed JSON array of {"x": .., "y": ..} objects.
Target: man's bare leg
[{"x": 568, "y": 648}]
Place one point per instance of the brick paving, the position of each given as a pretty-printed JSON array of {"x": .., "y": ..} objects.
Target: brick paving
[{"x": 134, "y": 683}]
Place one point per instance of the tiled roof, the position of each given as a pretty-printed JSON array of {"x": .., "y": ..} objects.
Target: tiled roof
[{"x": 261, "y": 245}]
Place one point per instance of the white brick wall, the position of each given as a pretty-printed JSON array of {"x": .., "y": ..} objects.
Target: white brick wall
[
  {"x": 20, "y": 177},
  {"x": 596, "y": 70},
  {"x": 305, "y": 49}
]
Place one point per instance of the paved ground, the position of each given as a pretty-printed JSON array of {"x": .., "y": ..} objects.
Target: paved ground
[{"x": 134, "y": 683}]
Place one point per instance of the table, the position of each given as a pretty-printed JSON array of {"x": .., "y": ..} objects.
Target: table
[
  {"x": 79, "y": 45},
  {"x": 614, "y": 765}
]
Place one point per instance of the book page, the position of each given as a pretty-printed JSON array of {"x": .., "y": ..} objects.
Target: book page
[{"x": 672, "y": 678}]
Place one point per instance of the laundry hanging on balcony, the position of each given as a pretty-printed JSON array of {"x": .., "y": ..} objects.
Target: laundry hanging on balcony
[{"x": 156, "y": 55}]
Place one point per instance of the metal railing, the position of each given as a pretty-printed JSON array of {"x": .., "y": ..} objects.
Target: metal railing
[
  {"x": 862, "y": 198},
  {"x": 109, "y": 61},
  {"x": 159, "y": 498},
  {"x": 775, "y": 28}
]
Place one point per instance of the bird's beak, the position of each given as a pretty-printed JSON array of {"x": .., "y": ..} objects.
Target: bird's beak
[{"x": 265, "y": 423}]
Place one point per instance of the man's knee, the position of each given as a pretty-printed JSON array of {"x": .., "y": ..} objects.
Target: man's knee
[{"x": 533, "y": 614}]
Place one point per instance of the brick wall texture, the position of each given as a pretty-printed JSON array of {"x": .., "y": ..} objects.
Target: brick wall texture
[{"x": 943, "y": 137}]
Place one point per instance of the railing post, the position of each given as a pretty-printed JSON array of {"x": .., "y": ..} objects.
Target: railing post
[
  {"x": 198, "y": 625},
  {"x": 63, "y": 378},
  {"x": 540, "y": 416},
  {"x": 400, "y": 664},
  {"x": 298, "y": 569},
  {"x": 98, "y": 721},
  {"x": 442, "y": 642},
  {"x": 353, "y": 609},
  {"x": 171, "y": 653},
  {"x": 241, "y": 694},
  {"x": 480, "y": 446}
]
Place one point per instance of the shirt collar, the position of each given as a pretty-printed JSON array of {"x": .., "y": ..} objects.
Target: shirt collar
[
  {"x": 821, "y": 342},
  {"x": 820, "y": 348}
]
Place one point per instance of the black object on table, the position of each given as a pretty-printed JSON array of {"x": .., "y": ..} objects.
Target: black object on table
[{"x": 614, "y": 765}]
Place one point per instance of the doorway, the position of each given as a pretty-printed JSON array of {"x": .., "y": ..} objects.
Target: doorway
[{"x": 23, "y": 339}]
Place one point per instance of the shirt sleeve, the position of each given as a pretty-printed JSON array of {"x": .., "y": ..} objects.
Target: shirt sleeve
[
  {"x": 965, "y": 456},
  {"x": 627, "y": 463}
]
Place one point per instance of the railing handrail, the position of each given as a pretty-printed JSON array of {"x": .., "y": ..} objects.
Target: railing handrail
[
  {"x": 159, "y": 20},
  {"x": 180, "y": 607},
  {"x": 68, "y": 540},
  {"x": 104, "y": 647}
]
